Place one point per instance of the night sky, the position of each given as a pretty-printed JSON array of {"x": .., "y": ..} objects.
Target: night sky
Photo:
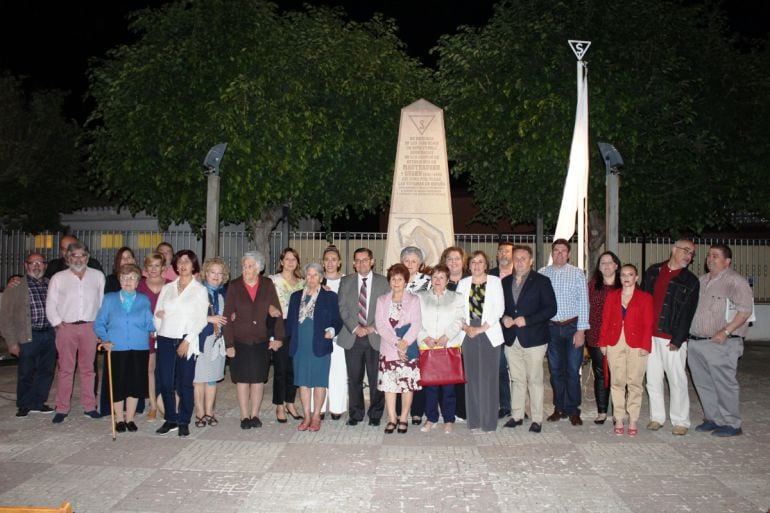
[{"x": 51, "y": 43}]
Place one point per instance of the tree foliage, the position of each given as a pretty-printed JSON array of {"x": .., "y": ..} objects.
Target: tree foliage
[
  {"x": 308, "y": 101},
  {"x": 39, "y": 160},
  {"x": 665, "y": 84}
]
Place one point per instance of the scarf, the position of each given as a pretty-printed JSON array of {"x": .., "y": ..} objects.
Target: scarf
[
  {"x": 307, "y": 305},
  {"x": 127, "y": 299}
]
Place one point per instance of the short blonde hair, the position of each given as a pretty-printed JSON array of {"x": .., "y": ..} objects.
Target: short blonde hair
[{"x": 216, "y": 261}]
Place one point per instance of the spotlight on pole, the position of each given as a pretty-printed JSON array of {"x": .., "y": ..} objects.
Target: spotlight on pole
[
  {"x": 613, "y": 162},
  {"x": 213, "y": 159}
]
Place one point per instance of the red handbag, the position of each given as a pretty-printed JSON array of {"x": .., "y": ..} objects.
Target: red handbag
[{"x": 441, "y": 366}]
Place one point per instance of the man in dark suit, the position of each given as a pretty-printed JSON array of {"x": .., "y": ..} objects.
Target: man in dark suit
[
  {"x": 357, "y": 300},
  {"x": 529, "y": 304}
]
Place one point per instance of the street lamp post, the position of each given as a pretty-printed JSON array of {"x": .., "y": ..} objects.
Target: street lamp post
[
  {"x": 613, "y": 163},
  {"x": 211, "y": 165}
]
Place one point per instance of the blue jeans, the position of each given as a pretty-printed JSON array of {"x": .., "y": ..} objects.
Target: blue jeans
[
  {"x": 564, "y": 360},
  {"x": 175, "y": 375},
  {"x": 447, "y": 403},
  {"x": 37, "y": 360}
]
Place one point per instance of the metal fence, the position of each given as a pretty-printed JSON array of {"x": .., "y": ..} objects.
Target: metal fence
[{"x": 751, "y": 257}]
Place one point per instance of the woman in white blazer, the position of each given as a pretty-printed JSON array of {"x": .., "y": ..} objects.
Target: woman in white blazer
[{"x": 484, "y": 306}]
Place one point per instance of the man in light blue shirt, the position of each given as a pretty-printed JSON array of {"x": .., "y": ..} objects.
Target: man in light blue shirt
[{"x": 567, "y": 330}]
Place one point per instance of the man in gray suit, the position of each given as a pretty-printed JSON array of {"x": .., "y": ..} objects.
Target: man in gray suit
[{"x": 357, "y": 299}]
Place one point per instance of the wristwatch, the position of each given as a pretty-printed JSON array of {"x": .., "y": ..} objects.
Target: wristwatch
[{"x": 727, "y": 332}]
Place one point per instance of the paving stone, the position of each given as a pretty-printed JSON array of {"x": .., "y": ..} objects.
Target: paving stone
[{"x": 225, "y": 456}]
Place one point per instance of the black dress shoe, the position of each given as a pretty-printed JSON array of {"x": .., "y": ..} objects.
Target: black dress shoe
[
  {"x": 120, "y": 427},
  {"x": 245, "y": 423},
  {"x": 323, "y": 416},
  {"x": 555, "y": 416},
  {"x": 255, "y": 422},
  {"x": 166, "y": 427},
  {"x": 502, "y": 413},
  {"x": 535, "y": 427},
  {"x": 512, "y": 423},
  {"x": 416, "y": 421},
  {"x": 335, "y": 416},
  {"x": 131, "y": 426},
  {"x": 374, "y": 422},
  {"x": 576, "y": 420},
  {"x": 352, "y": 422},
  {"x": 184, "y": 430}
]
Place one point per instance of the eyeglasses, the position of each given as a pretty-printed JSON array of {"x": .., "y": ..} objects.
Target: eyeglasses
[
  {"x": 129, "y": 277},
  {"x": 363, "y": 260},
  {"x": 687, "y": 251}
]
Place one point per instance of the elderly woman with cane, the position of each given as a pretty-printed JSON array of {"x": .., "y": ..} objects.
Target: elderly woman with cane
[{"x": 123, "y": 323}]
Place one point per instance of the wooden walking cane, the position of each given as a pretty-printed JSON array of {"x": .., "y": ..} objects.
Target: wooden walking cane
[{"x": 109, "y": 382}]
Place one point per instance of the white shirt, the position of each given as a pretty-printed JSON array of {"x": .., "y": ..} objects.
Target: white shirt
[
  {"x": 184, "y": 316},
  {"x": 72, "y": 299}
]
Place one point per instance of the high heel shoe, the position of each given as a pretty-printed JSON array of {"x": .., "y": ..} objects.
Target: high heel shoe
[
  {"x": 402, "y": 427},
  {"x": 619, "y": 430},
  {"x": 294, "y": 416},
  {"x": 390, "y": 427},
  {"x": 277, "y": 415},
  {"x": 601, "y": 421},
  {"x": 633, "y": 431}
]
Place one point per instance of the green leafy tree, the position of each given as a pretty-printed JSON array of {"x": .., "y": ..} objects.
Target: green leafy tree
[
  {"x": 39, "y": 159},
  {"x": 662, "y": 88},
  {"x": 308, "y": 101}
]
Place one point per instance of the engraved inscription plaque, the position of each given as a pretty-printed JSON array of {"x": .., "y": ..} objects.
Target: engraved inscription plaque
[{"x": 421, "y": 202}]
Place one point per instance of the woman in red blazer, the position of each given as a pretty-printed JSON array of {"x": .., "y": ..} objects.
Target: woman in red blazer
[{"x": 626, "y": 340}]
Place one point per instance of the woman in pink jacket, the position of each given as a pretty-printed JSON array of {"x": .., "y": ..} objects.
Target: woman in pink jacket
[
  {"x": 397, "y": 319},
  {"x": 626, "y": 340}
]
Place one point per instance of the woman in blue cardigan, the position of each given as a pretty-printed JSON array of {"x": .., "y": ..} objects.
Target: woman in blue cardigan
[
  {"x": 312, "y": 322},
  {"x": 123, "y": 323}
]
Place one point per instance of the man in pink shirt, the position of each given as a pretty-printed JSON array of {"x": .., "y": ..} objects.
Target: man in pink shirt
[{"x": 74, "y": 298}]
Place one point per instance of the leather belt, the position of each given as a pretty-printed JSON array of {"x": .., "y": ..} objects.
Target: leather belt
[
  {"x": 565, "y": 322},
  {"x": 694, "y": 337}
]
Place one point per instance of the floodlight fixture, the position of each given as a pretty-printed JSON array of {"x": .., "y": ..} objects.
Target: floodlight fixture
[{"x": 214, "y": 159}]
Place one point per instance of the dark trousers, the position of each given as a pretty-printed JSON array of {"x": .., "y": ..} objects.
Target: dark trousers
[
  {"x": 447, "y": 393},
  {"x": 601, "y": 392},
  {"x": 175, "y": 375},
  {"x": 359, "y": 358},
  {"x": 564, "y": 361},
  {"x": 505, "y": 384},
  {"x": 284, "y": 390},
  {"x": 104, "y": 399},
  {"x": 37, "y": 361},
  {"x": 418, "y": 403},
  {"x": 460, "y": 401}
]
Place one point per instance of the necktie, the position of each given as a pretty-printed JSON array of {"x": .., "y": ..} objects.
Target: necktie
[{"x": 362, "y": 303}]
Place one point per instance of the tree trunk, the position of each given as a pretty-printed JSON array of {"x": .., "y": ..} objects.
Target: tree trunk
[
  {"x": 597, "y": 235},
  {"x": 260, "y": 232}
]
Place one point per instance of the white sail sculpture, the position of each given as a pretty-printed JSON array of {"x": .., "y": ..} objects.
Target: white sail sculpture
[{"x": 575, "y": 198}]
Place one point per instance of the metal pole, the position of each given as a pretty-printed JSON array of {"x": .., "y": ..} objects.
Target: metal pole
[
  {"x": 212, "y": 216},
  {"x": 612, "y": 209}
]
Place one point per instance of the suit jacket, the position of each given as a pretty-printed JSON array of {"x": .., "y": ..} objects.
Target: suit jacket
[
  {"x": 347, "y": 299},
  {"x": 638, "y": 322},
  {"x": 326, "y": 315},
  {"x": 537, "y": 303},
  {"x": 494, "y": 305}
]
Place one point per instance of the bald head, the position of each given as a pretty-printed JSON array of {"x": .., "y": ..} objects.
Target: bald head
[{"x": 64, "y": 243}]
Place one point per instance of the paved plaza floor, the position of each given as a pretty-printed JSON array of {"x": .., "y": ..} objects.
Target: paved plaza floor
[{"x": 224, "y": 469}]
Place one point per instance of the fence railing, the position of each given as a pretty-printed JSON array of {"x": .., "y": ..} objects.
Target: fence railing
[{"x": 751, "y": 257}]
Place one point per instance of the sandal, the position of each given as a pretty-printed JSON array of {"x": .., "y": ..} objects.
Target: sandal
[
  {"x": 200, "y": 421},
  {"x": 211, "y": 419},
  {"x": 403, "y": 425},
  {"x": 633, "y": 431},
  {"x": 619, "y": 431},
  {"x": 390, "y": 427}
]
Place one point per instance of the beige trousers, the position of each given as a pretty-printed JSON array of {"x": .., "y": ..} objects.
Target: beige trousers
[
  {"x": 627, "y": 367},
  {"x": 525, "y": 368}
]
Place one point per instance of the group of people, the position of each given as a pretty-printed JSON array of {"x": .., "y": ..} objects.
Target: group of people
[{"x": 168, "y": 329}]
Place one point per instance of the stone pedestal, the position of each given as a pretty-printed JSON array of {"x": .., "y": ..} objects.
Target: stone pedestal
[{"x": 421, "y": 202}]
